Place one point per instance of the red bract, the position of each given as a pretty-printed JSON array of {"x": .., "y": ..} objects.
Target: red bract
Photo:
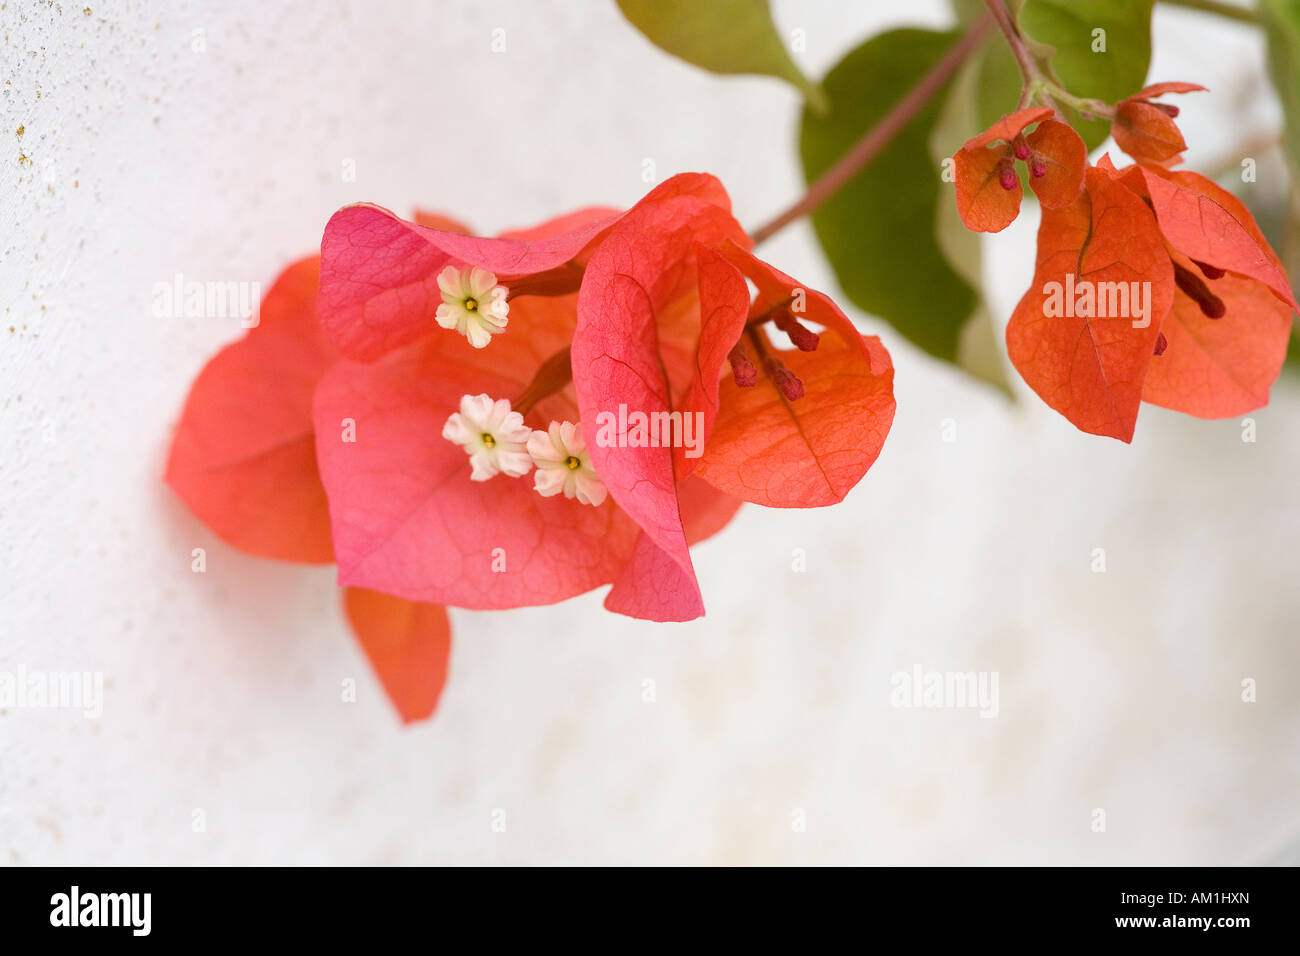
[
  {"x": 433, "y": 371},
  {"x": 663, "y": 306},
  {"x": 987, "y": 184},
  {"x": 381, "y": 290},
  {"x": 243, "y": 459},
  {"x": 1154, "y": 285},
  {"x": 407, "y": 518}
]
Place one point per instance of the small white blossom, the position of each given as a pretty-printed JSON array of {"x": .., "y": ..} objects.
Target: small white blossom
[
  {"x": 494, "y": 437},
  {"x": 563, "y": 465},
  {"x": 472, "y": 304}
]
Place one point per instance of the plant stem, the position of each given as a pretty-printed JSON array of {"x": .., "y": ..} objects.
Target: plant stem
[
  {"x": 1029, "y": 72},
  {"x": 1036, "y": 82},
  {"x": 1232, "y": 12},
  {"x": 880, "y": 135}
]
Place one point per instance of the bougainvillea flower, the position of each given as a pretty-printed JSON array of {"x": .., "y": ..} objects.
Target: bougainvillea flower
[
  {"x": 472, "y": 304},
  {"x": 800, "y": 434},
  {"x": 563, "y": 465},
  {"x": 1145, "y": 129},
  {"x": 408, "y": 520},
  {"x": 1227, "y": 331},
  {"x": 243, "y": 460},
  {"x": 984, "y": 169},
  {"x": 494, "y": 437},
  {"x": 1153, "y": 285}
]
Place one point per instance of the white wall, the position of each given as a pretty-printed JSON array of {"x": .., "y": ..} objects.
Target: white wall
[{"x": 141, "y": 158}]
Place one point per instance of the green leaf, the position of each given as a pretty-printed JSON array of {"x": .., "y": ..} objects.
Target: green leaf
[
  {"x": 723, "y": 36},
  {"x": 1281, "y": 20},
  {"x": 1102, "y": 50},
  {"x": 998, "y": 83},
  {"x": 879, "y": 231}
]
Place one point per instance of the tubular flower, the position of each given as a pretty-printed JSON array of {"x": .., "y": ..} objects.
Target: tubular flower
[
  {"x": 472, "y": 304},
  {"x": 563, "y": 465},
  {"x": 492, "y": 435}
]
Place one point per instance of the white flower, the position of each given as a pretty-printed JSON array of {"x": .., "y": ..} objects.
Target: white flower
[
  {"x": 472, "y": 304},
  {"x": 563, "y": 464},
  {"x": 494, "y": 437}
]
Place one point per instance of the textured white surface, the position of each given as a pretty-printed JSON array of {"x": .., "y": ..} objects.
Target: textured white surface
[{"x": 141, "y": 158}]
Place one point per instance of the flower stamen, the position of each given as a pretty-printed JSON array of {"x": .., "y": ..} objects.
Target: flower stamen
[
  {"x": 785, "y": 381},
  {"x": 742, "y": 369},
  {"x": 1195, "y": 289},
  {"x": 803, "y": 338}
]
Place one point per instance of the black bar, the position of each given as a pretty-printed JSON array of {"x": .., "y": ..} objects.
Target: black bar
[{"x": 335, "y": 906}]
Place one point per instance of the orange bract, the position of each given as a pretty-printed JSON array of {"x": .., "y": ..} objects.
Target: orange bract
[
  {"x": 1218, "y": 368},
  {"x": 1146, "y": 130},
  {"x": 244, "y": 455},
  {"x": 810, "y": 452},
  {"x": 1214, "y": 334},
  {"x": 1009, "y": 126},
  {"x": 987, "y": 184},
  {"x": 1089, "y": 361},
  {"x": 984, "y": 203},
  {"x": 1064, "y": 157},
  {"x": 408, "y": 645}
]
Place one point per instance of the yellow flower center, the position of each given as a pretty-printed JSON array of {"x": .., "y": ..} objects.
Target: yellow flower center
[
  {"x": 471, "y": 304},
  {"x": 489, "y": 441},
  {"x": 573, "y": 463}
]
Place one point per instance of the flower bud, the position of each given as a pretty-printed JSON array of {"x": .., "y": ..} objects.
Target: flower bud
[
  {"x": 742, "y": 369},
  {"x": 1007, "y": 177}
]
